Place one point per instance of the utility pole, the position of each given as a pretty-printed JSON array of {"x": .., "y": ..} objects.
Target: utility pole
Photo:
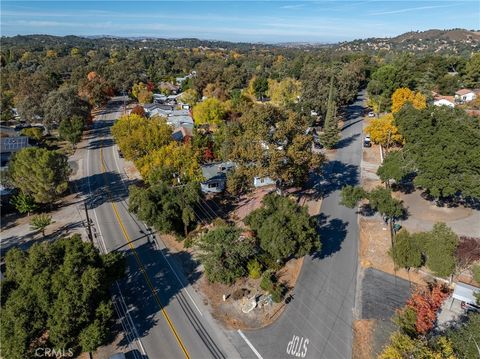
[{"x": 89, "y": 225}]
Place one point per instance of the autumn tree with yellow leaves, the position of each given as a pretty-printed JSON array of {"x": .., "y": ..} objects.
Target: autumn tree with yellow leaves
[
  {"x": 172, "y": 164},
  {"x": 283, "y": 92},
  {"x": 403, "y": 95},
  {"x": 383, "y": 131},
  {"x": 137, "y": 136}
]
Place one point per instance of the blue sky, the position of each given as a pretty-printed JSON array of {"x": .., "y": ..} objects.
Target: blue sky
[{"x": 256, "y": 21}]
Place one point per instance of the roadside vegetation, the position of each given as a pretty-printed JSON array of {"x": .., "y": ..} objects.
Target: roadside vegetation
[{"x": 57, "y": 295}]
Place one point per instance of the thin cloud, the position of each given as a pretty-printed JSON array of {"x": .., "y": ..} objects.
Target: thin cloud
[
  {"x": 399, "y": 11},
  {"x": 297, "y": 6}
]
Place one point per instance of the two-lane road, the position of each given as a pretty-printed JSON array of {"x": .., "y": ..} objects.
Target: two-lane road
[
  {"x": 161, "y": 315},
  {"x": 317, "y": 323}
]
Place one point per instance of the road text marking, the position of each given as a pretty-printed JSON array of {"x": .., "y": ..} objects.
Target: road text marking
[{"x": 298, "y": 346}]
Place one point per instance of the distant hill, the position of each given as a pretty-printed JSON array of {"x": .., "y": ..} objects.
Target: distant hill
[
  {"x": 92, "y": 42},
  {"x": 439, "y": 41},
  {"x": 454, "y": 40}
]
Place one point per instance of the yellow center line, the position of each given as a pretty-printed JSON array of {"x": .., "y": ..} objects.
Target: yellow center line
[{"x": 142, "y": 268}]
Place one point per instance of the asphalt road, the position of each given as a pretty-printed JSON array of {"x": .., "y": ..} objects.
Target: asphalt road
[
  {"x": 161, "y": 315},
  {"x": 317, "y": 323}
]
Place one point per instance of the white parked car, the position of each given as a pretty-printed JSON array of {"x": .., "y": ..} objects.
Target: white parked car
[{"x": 371, "y": 114}]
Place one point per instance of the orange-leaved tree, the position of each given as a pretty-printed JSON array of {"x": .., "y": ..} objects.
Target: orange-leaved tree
[{"x": 426, "y": 303}]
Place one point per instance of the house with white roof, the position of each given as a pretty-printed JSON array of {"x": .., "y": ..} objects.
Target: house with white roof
[
  {"x": 465, "y": 95},
  {"x": 439, "y": 100}
]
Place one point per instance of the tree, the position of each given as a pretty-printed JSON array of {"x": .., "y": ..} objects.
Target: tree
[
  {"x": 34, "y": 133},
  {"x": 40, "y": 222},
  {"x": 395, "y": 166},
  {"x": 407, "y": 251},
  {"x": 472, "y": 70},
  {"x": 24, "y": 203},
  {"x": 145, "y": 96},
  {"x": 71, "y": 129},
  {"x": 476, "y": 273},
  {"x": 31, "y": 93},
  {"x": 426, "y": 303},
  {"x": 41, "y": 173},
  {"x": 406, "y": 320},
  {"x": 138, "y": 110},
  {"x": 466, "y": 339},
  {"x": 440, "y": 250},
  {"x": 209, "y": 112},
  {"x": 96, "y": 91},
  {"x": 331, "y": 132},
  {"x": 137, "y": 136},
  {"x": 190, "y": 97},
  {"x": 382, "y": 131},
  {"x": 6, "y": 108},
  {"x": 403, "y": 346},
  {"x": 64, "y": 104},
  {"x": 381, "y": 200},
  {"x": 173, "y": 163},
  {"x": 383, "y": 83},
  {"x": 52, "y": 293},
  {"x": 269, "y": 141},
  {"x": 467, "y": 252},
  {"x": 225, "y": 254},
  {"x": 285, "y": 229},
  {"x": 403, "y": 95},
  {"x": 351, "y": 195},
  {"x": 260, "y": 87},
  {"x": 284, "y": 92},
  {"x": 137, "y": 88},
  {"x": 441, "y": 145},
  {"x": 168, "y": 209}
]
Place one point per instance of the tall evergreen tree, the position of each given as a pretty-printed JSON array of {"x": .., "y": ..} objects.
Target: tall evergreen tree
[{"x": 331, "y": 132}]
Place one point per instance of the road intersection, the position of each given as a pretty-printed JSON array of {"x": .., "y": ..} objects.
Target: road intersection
[{"x": 161, "y": 314}]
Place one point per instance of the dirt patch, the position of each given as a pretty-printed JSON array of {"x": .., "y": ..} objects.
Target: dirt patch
[
  {"x": 230, "y": 312},
  {"x": 427, "y": 211},
  {"x": 362, "y": 339}
]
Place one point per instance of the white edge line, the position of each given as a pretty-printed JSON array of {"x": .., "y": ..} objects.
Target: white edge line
[
  {"x": 146, "y": 227},
  {"x": 105, "y": 248},
  {"x": 249, "y": 344}
]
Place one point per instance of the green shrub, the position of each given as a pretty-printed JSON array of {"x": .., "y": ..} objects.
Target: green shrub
[
  {"x": 269, "y": 262},
  {"x": 268, "y": 281},
  {"x": 278, "y": 292},
  {"x": 406, "y": 320},
  {"x": 254, "y": 269},
  {"x": 476, "y": 273}
]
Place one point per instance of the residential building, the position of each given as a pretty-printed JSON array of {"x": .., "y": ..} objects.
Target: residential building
[
  {"x": 182, "y": 133},
  {"x": 263, "y": 181},
  {"x": 444, "y": 101},
  {"x": 465, "y": 95},
  {"x": 215, "y": 175},
  {"x": 10, "y": 145}
]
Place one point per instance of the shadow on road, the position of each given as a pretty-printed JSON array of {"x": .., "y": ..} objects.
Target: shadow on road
[
  {"x": 102, "y": 143},
  {"x": 101, "y": 187},
  {"x": 332, "y": 233},
  {"x": 152, "y": 285},
  {"x": 334, "y": 176},
  {"x": 345, "y": 142}
]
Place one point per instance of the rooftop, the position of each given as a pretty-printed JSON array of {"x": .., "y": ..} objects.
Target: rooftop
[{"x": 217, "y": 170}]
